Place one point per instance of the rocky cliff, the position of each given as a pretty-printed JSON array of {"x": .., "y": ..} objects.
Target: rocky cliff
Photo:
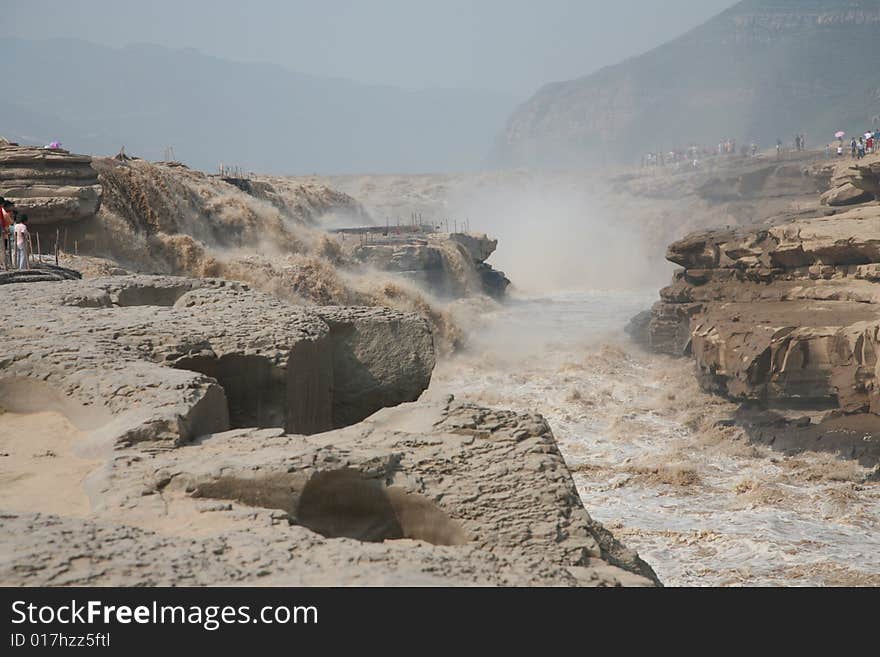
[
  {"x": 784, "y": 317},
  {"x": 762, "y": 70},
  {"x": 51, "y": 186}
]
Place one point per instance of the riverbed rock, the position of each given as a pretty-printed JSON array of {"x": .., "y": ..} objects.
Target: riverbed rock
[
  {"x": 423, "y": 494},
  {"x": 165, "y": 359},
  {"x": 211, "y": 414}
]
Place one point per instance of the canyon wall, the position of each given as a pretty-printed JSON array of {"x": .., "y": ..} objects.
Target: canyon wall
[{"x": 784, "y": 316}]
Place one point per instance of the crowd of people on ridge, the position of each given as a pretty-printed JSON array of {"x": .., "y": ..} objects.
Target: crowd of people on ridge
[
  {"x": 693, "y": 154},
  {"x": 859, "y": 147},
  {"x": 866, "y": 144}
]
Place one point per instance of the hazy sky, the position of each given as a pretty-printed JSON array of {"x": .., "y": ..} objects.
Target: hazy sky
[{"x": 513, "y": 46}]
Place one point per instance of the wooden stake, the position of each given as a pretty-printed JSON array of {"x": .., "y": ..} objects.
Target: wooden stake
[{"x": 39, "y": 249}]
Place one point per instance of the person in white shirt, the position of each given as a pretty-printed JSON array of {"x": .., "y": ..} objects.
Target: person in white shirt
[{"x": 21, "y": 241}]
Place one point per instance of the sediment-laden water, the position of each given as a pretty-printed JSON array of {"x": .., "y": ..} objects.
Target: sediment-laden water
[{"x": 699, "y": 503}]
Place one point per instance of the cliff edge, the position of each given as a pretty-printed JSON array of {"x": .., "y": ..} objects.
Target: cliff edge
[{"x": 784, "y": 317}]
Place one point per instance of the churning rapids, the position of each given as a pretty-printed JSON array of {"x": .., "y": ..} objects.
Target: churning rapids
[{"x": 654, "y": 459}]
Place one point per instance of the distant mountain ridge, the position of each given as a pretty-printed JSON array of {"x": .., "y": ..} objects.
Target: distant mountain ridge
[
  {"x": 761, "y": 70},
  {"x": 261, "y": 117}
]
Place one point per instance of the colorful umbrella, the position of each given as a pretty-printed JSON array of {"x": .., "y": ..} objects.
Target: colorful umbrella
[{"x": 840, "y": 135}]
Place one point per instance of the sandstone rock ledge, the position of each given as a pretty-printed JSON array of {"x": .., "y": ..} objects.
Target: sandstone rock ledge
[
  {"x": 785, "y": 318},
  {"x": 51, "y": 186},
  {"x": 445, "y": 494},
  {"x": 166, "y": 359},
  {"x": 208, "y": 411},
  {"x": 448, "y": 264}
]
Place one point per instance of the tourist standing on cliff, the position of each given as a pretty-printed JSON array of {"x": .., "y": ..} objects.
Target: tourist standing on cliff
[
  {"x": 5, "y": 224},
  {"x": 4, "y": 228},
  {"x": 21, "y": 241}
]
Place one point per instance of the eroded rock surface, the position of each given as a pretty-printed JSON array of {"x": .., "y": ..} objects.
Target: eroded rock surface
[
  {"x": 205, "y": 413},
  {"x": 165, "y": 359},
  {"x": 422, "y": 494},
  {"x": 50, "y": 186},
  {"x": 851, "y": 184},
  {"x": 449, "y": 264},
  {"x": 784, "y": 317},
  {"x": 846, "y": 194}
]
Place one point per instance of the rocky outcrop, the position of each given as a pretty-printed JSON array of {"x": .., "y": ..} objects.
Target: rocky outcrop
[
  {"x": 199, "y": 402},
  {"x": 846, "y": 194},
  {"x": 167, "y": 359},
  {"x": 852, "y": 184},
  {"x": 51, "y": 186},
  {"x": 381, "y": 357},
  {"x": 784, "y": 317},
  {"x": 866, "y": 176},
  {"x": 447, "y": 493},
  {"x": 451, "y": 265}
]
